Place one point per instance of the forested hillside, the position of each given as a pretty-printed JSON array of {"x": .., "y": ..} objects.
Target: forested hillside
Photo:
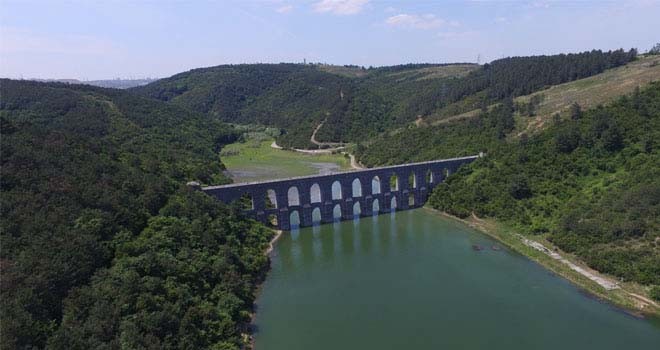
[
  {"x": 591, "y": 181},
  {"x": 356, "y": 106},
  {"x": 103, "y": 245}
]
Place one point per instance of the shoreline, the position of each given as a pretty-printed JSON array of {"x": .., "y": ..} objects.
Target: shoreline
[
  {"x": 248, "y": 338},
  {"x": 569, "y": 268},
  {"x": 271, "y": 244}
]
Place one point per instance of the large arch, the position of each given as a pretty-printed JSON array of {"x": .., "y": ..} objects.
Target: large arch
[
  {"x": 375, "y": 207},
  {"x": 356, "y": 188},
  {"x": 411, "y": 199},
  {"x": 375, "y": 185},
  {"x": 336, "y": 190},
  {"x": 412, "y": 180},
  {"x": 394, "y": 183},
  {"x": 294, "y": 219},
  {"x": 293, "y": 196},
  {"x": 393, "y": 204},
  {"x": 270, "y": 200},
  {"x": 315, "y": 193},
  {"x": 336, "y": 212},
  {"x": 357, "y": 211},
  {"x": 316, "y": 216}
]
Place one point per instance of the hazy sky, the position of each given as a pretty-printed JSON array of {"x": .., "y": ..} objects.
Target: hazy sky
[{"x": 104, "y": 39}]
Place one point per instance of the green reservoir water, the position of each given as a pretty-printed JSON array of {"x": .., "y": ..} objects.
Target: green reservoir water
[{"x": 411, "y": 280}]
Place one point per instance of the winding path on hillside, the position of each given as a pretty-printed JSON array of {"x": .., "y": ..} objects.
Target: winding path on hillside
[{"x": 312, "y": 139}]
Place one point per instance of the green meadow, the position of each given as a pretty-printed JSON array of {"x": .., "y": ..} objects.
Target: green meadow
[{"x": 256, "y": 160}]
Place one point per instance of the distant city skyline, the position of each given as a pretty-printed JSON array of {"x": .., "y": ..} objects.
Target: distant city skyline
[{"x": 90, "y": 40}]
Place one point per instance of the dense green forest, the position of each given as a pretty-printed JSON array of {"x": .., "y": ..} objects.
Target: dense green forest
[
  {"x": 298, "y": 97},
  {"x": 591, "y": 180},
  {"x": 103, "y": 244}
]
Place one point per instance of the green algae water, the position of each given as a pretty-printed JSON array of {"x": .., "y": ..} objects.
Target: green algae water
[{"x": 412, "y": 280}]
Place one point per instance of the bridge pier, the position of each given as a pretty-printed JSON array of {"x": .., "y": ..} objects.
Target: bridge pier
[{"x": 283, "y": 220}]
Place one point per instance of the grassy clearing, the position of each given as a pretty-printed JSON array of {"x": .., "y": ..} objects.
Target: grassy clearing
[
  {"x": 630, "y": 296},
  {"x": 453, "y": 70},
  {"x": 351, "y": 71},
  {"x": 256, "y": 160},
  {"x": 590, "y": 92}
]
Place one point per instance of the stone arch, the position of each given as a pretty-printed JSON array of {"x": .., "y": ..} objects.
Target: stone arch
[
  {"x": 393, "y": 204},
  {"x": 357, "y": 210},
  {"x": 336, "y": 212},
  {"x": 270, "y": 199},
  {"x": 272, "y": 220},
  {"x": 375, "y": 185},
  {"x": 356, "y": 188},
  {"x": 246, "y": 201},
  {"x": 336, "y": 190},
  {"x": 375, "y": 207},
  {"x": 411, "y": 199},
  {"x": 429, "y": 176},
  {"x": 293, "y": 196},
  {"x": 315, "y": 193},
  {"x": 316, "y": 216},
  {"x": 294, "y": 219},
  {"x": 412, "y": 180},
  {"x": 394, "y": 183}
]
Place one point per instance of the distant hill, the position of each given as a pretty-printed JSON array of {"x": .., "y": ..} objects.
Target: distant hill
[
  {"x": 107, "y": 83},
  {"x": 355, "y": 103},
  {"x": 298, "y": 97}
]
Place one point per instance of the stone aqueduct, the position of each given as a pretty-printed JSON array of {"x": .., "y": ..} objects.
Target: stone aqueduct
[{"x": 308, "y": 200}]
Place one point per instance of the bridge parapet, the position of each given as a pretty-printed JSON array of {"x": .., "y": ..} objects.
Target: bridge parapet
[{"x": 307, "y": 200}]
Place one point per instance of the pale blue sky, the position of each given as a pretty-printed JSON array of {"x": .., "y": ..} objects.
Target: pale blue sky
[{"x": 106, "y": 39}]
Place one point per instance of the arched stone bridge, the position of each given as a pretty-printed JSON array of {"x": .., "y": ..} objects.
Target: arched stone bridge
[{"x": 307, "y": 200}]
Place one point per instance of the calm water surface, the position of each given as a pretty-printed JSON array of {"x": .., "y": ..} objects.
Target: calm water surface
[{"x": 411, "y": 280}]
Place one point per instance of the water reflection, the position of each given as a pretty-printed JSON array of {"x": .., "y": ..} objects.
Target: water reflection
[{"x": 410, "y": 275}]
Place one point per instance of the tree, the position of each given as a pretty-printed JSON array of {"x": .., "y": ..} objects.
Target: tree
[
  {"x": 612, "y": 139},
  {"x": 567, "y": 139},
  {"x": 575, "y": 111},
  {"x": 655, "y": 291},
  {"x": 519, "y": 187},
  {"x": 655, "y": 50}
]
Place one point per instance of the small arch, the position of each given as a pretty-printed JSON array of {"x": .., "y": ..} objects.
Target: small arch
[
  {"x": 429, "y": 176},
  {"x": 272, "y": 220},
  {"x": 412, "y": 180},
  {"x": 246, "y": 202},
  {"x": 356, "y": 188},
  {"x": 375, "y": 207},
  {"x": 315, "y": 193},
  {"x": 357, "y": 211},
  {"x": 336, "y": 212},
  {"x": 294, "y": 219},
  {"x": 393, "y": 204},
  {"x": 293, "y": 196},
  {"x": 316, "y": 216},
  {"x": 336, "y": 190},
  {"x": 375, "y": 185},
  {"x": 411, "y": 199},
  {"x": 270, "y": 200},
  {"x": 394, "y": 183}
]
